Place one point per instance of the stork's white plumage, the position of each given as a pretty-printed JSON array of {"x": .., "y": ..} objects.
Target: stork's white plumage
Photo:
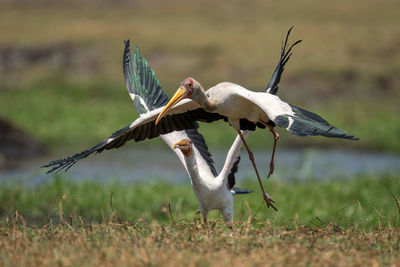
[{"x": 213, "y": 192}]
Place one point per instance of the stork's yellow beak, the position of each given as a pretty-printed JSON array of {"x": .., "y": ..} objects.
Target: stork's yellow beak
[
  {"x": 178, "y": 96},
  {"x": 181, "y": 143},
  {"x": 185, "y": 146}
]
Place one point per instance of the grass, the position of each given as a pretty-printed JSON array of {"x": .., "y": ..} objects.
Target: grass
[
  {"x": 192, "y": 244},
  {"x": 365, "y": 202},
  {"x": 61, "y": 80},
  {"x": 347, "y": 68},
  {"x": 337, "y": 222},
  {"x": 61, "y": 113}
]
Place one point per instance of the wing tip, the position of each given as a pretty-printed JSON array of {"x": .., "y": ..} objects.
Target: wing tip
[{"x": 272, "y": 87}]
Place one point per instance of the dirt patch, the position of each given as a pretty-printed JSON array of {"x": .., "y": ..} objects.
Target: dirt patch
[{"x": 16, "y": 145}]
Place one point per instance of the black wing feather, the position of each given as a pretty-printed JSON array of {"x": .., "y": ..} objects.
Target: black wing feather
[
  {"x": 201, "y": 145},
  {"x": 141, "y": 81},
  {"x": 231, "y": 175},
  {"x": 272, "y": 86}
]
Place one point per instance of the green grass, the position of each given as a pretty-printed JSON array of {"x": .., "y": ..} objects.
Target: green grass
[{"x": 365, "y": 202}]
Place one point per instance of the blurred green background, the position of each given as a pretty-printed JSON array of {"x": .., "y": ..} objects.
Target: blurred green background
[{"x": 61, "y": 76}]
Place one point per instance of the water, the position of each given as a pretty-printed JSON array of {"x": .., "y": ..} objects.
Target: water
[{"x": 130, "y": 165}]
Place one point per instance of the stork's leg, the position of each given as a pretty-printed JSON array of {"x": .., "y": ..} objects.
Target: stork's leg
[
  {"x": 267, "y": 198},
  {"x": 204, "y": 213},
  {"x": 276, "y": 137}
]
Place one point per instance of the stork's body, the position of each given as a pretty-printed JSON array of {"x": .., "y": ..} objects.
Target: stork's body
[
  {"x": 213, "y": 192},
  {"x": 226, "y": 97}
]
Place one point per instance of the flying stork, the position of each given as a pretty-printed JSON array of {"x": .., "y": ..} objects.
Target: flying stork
[
  {"x": 246, "y": 110},
  {"x": 263, "y": 111}
]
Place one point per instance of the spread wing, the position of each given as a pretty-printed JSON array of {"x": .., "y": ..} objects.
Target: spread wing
[
  {"x": 296, "y": 120},
  {"x": 149, "y": 99},
  {"x": 147, "y": 95}
]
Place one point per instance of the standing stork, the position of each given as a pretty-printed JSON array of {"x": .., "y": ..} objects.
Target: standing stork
[{"x": 213, "y": 190}]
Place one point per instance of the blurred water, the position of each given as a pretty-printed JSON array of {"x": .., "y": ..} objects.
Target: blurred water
[{"x": 129, "y": 165}]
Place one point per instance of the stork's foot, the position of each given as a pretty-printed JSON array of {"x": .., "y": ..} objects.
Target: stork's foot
[{"x": 270, "y": 202}]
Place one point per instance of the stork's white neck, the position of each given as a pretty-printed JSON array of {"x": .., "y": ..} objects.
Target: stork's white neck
[
  {"x": 201, "y": 97},
  {"x": 193, "y": 169},
  {"x": 200, "y": 175}
]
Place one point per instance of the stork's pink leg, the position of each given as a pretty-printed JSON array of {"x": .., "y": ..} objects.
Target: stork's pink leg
[
  {"x": 276, "y": 137},
  {"x": 267, "y": 198}
]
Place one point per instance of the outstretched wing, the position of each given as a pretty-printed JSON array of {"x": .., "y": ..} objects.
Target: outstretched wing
[
  {"x": 147, "y": 95},
  {"x": 146, "y": 92},
  {"x": 272, "y": 86},
  {"x": 302, "y": 123},
  {"x": 142, "y": 128},
  {"x": 296, "y": 120},
  {"x": 143, "y": 86}
]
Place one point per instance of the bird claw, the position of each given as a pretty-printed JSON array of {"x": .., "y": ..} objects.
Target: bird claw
[{"x": 269, "y": 201}]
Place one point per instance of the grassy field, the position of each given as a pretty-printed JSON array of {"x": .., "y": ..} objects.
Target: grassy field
[
  {"x": 61, "y": 80},
  {"x": 61, "y": 76},
  {"x": 362, "y": 202},
  {"x": 192, "y": 244},
  {"x": 338, "y": 222}
]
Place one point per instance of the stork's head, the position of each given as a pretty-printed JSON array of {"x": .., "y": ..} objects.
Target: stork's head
[
  {"x": 189, "y": 89},
  {"x": 185, "y": 146}
]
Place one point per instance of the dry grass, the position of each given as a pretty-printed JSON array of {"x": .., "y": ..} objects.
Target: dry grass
[
  {"x": 193, "y": 244},
  {"x": 353, "y": 222}
]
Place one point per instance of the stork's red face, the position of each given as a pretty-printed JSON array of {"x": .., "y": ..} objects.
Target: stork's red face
[
  {"x": 188, "y": 83},
  {"x": 185, "y": 91},
  {"x": 185, "y": 146}
]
